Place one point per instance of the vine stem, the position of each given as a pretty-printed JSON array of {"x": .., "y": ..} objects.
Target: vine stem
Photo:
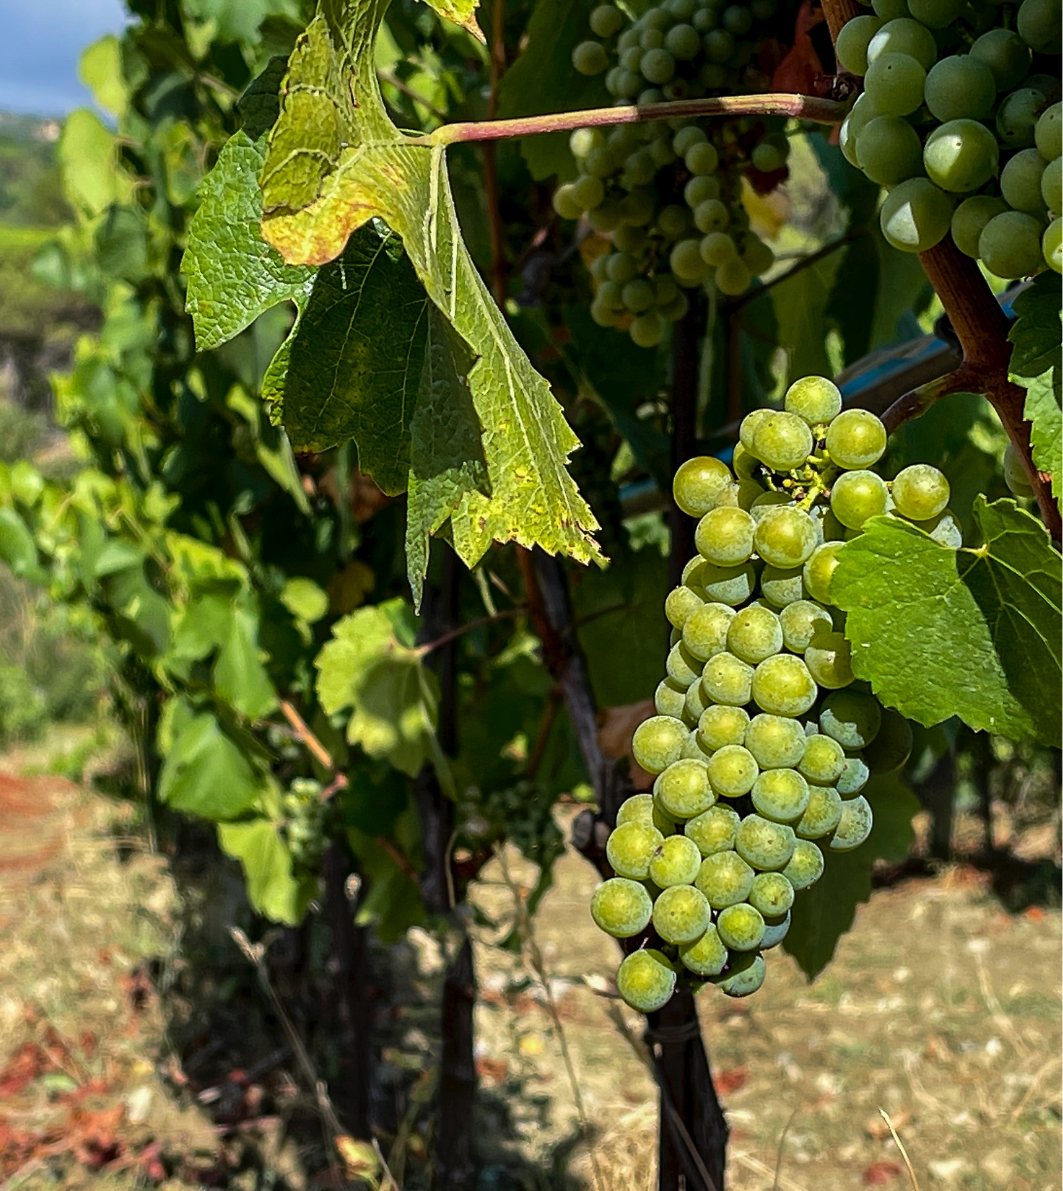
[{"x": 803, "y": 107}]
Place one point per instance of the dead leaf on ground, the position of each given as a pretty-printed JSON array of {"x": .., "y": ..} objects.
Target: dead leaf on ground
[{"x": 880, "y": 1173}]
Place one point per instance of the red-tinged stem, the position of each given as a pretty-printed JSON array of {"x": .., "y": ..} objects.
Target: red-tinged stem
[{"x": 803, "y": 107}]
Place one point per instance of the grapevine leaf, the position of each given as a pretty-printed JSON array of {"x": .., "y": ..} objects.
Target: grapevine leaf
[
  {"x": 17, "y": 546},
  {"x": 205, "y": 773},
  {"x": 801, "y": 303},
  {"x": 331, "y": 166},
  {"x": 1042, "y": 411},
  {"x": 260, "y": 104},
  {"x": 822, "y": 914},
  {"x": 392, "y": 903},
  {"x": 543, "y": 80},
  {"x": 461, "y": 12},
  {"x": 272, "y": 888},
  {"x": 448, "y": 457},
  {"x": 355, "y": 365},
  {"x": 974, "y": 633},
  {"x": 1036, "y": 331},
  {"x": 87, "y": 160},
  {"x": 366, "y": 668},
  {"x": 233, "y": 274}
]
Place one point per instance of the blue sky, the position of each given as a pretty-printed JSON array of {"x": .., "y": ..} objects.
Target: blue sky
[{"x": 40, "y": 43}]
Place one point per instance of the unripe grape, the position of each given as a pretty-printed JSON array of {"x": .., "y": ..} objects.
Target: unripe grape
[
  {"x": 782, "y": 441},
  {"x": 814, "y": 399},
  {"x": 1010, "y": 244},
  {"x": 856, "y": 438},
  {"x": 638, "y": 295},
  {"x": 732, "y": 277},
  {"x": 916, "y": 215},
  {"x": 682, "y": 42},
  {"x": 744, "y": 975},
  {"x": 776, "y": 742},
  {"x": 1017, "y": 118},
  {"x": 680, "y": 604},
  {"x": 741, "y": 927},
  {"x": 889, "y": 150},
  {"x": 637, "y": 208},
  {"x": 724, "y": 879},
  {"x": 764, "y": 845},
  {"x": 721, "y": 725},
  {"x": 681, "y": 913},
  {"x": 589, "y": 57},
  {"x": 732, "y": 771},
  {"x": 719, "y": 45},
  {"x": 829, "y": 660},
  {"x": 705, "y": 630},
  {"x": 621, "y": 907},
  {"x": 698, "y": 483},
  {"x": 651, "y": 38},
  {"x": 854, "y": 775},
  {"x": 818, "y": 571},
  {"x": 1052, "y": 185},
  {"x": 775, "y": 930},
  {"x": 767, "y": 158},
  {"x": 937, "y": 14},
  {"x": 822, "y": 814},
  {"x": 860, "y": 115},
  {"x": 707, "y": 956},
  {"x": 903, "y": 36},
  {"x": 854, "y": 826},
  {"x": 727, "y": 679},
  {"x": 780, "y": 795},
  {"x": 782, "y": 685},
  {"x": 853, "y": 40},
  {"x": 686, "y": 138},
  {"x": 670, "y": 698},
  {"x": 636, "y": 809},
  {"x": 675, "y": 862},
  {"x": 701, "y": 189},
  {"x": 894, "y": 84},
  {"x": 851, "y": 717},
  {"x": 772, "y": 894},
  {"x": 588, "y": 192},
  {"x": 1048, "y": 133},
  {"x": 823, "y": 760},
  {"x": 728, "y": 585},
  {"x": 565, "y": 203},
  {"x": 683, "y": 791},
  {"x": 961, "y": 156},
  {"x": 1020, "y": 182},
  {"x": 712, "y": 216},
  {"x": 1006, "y": 55},
  {"x": 705, "y": 20},
  {"x": 647, "y": 329},
  {"x": 970, "y": 217},
  {"x": 605, "y": 20},
  {"x": 646, "y": 980},
  {"x": 782, "y": 586},
  {"x": 1052, "y": 245},
  {"x": 657, "y": 743},
  {"x": 892, "y": 747},
  {"x": 785, "y": 537},
  {"x": 801, "y": 620},
  {"x": 681, "y": 665},
  {"x": 724, "y": 536},
  {"x": 757, "y": 256},
  {"x": 686, "y": 262},
  {"x": 606, "y": 218},
  {"x": 657, "y": 66},
  {"x": 1039, "y": 26},
  {"x": 857, "y": 496},
  {"x": 714, "y": 830},
  {"x": 960, "y": 87},
  {"x": 701, "y": 159},
  {"x": 805, "y": 867},
  {"x": 655, "y": 18},
  {"x": 920, "y": 492},
  {"x": 754, "y": 634}
]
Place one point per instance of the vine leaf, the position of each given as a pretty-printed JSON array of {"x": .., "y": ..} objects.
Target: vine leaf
[
  {"x": 272, "y": 888},
  {"x": 974, "y": 633},
  {"x": 822, "y": 914},
  {"x": 461, "y": 12},
  {"x": 1036, "y": 331},
  {"x": 371, "y": 668},
  {"x": 1042, "y": 410},
  {"x": 334, "y": 162},
  {"x": 206, "y": 773}
]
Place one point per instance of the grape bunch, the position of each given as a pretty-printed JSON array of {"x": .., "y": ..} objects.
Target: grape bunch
[
  {"x": 305, "y": 817},
  {"x": 763, "y": 741},
  {"x": 668, "y": 193},
  {"x": 960, "y": 118}
]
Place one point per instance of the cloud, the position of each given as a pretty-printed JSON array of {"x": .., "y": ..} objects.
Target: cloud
[{"x": 39, "y": 50}]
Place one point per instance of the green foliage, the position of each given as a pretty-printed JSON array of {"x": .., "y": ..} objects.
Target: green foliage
[{"x": 272, "y": 887}]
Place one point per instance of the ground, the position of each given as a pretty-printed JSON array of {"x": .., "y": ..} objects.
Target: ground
[{"x": 940, "y": 1008}]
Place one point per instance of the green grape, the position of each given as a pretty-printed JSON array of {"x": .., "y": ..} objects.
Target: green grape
[
  {"x": 1020, "y": 181},
  {"x": 782, "y": 586},
  {"x": 785, "y": 537},
  {"x": 959, "y": 87},
  {"x": 683, "y": 791},
  {"x": 724, "y": 879},
  {"x": 890, "y": 10},
  {"x": 915, "y": 216},
  {"x": 638, "y": 207},
  {"x": 782, "y": 685},
  {"x": 728, "y": 585},
  {"x": 894, "y": 84},
  {"x": 854, "y": 826},
  {"x": 657, "y": 743},
  {"x": 657, "y": 66},
  {"x": 682, "y": 42},
  {"x": 889, "y": 150},
  {"x": 1010, "y": 244},
  {"x": 652, "y": 38},
  {"x": 621, "y": 907},
  {"x": 757, "y": 256},
  {"x": 670, "y": 698},
  {"x": 961, "y": 156},
  {"x": 861, "y": 113},
  {"x": 719, "y": 45},
  {"x": 743, "y": 976},
  {"x": 588, "y": 192},
  {"x": 565, "y": 204},
  {"x": 686, "y": 138},
  {"x": 696, "y": 702},
  {"x": 780, "y": 795},
  {"x": 805, "y": 866},
  {"x": 636, "y": 809},
  {"x": 829, "y": 660},
  {"x": 856, "y": 439},
  {"x": 937, "y": 14},
  {"x": 681, "y": 913},
  {"x": 775, "y": 930},
  {"x": 801, "y": 620},
  {"x": 673, "y": 221},
  {"x": 767, "y": 158},
  {"x": 772, "y": 894},
  {"x": 732, "y": 277},
  {"x": 1048, "y": 133},
  {"x": 1006, "y": 55},
  {"x": 655, "y": 18},
  {"x": 763, "y": 844},
  {"x": 604, "y": 316},
  {"x": 892, "y": 747},
  {"x": 754, "y": 634},
  {"x": 680, "y": 604},
  {"x": 970, "y": 217},
  {"x": 589, "y": 57},
  {"x": 647, "y": 329},
  {"x": 583, "y": 140},
  {"x": 823, "y": 760},
  {"x": 714, "y": 830},
  {"x": 675, "y": 861},
  {"x": 667, "y": 291},
  {"x": 732, "y": 771},
  {"x": 814, "y": 399},
  {"x": 693, "y": 750},
  {"x": 705, "y": 630},
  {"x": 705, "y": 20},
  {"x": 638, "y": 295},
  {"x": 717, "y": 248},
  {"x": 741, "y": 927},
  {"x": 700, "y": 189},
  {"x": 631, "y": 58},
  {"x": 782, "y": 441},
  {"x": 721, "y": 725},
  {"x": 903, "y": 36},
  {"x": 621, "y": 267},
  {"x": 646, "y": 980},
  {"x": 748, "y": 428},
  {"x": 851, "y": 717},
  {"x": 605, "y": 20},
  {"x": 822, "y": 814},
  {"x": 630, "y": 848},
  {"x": 1039, "y": 26},
  {"x": 1052, "y": 245},
  {"x": 920, "y": 492},
  {"x": 698, "y": 483},
  {"x": 853, "y": 776},
  {"x": 701, "y": 159},
  {"x": 724, "y": 536},
  {"x": 711, "y": 216},
  {"x": 817, "y": 572},
  {"x": 682, "y": 667},
  {"x": 606, "y": 218},
  {"x": 686, "y": 263},
  {"x": 776, "y": 742},
  {"x": 1052, "y": 185},
  {"x": 737, "y": 20},
  {"x": 1017, "y": 118},
  {"x": 707, "y": 956}
]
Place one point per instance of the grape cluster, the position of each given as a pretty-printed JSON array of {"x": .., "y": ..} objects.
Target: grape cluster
[
  {"x": 763, "y": 740},
  {"x": 960, "y": 118},
  {"x": 304, "y": 822},
  {"x": 668, "y": 193}
]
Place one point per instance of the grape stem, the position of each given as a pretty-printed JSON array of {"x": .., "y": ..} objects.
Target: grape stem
[
  {"x": 803, "y": 107},
  {"x": 916, "y": 402}
]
